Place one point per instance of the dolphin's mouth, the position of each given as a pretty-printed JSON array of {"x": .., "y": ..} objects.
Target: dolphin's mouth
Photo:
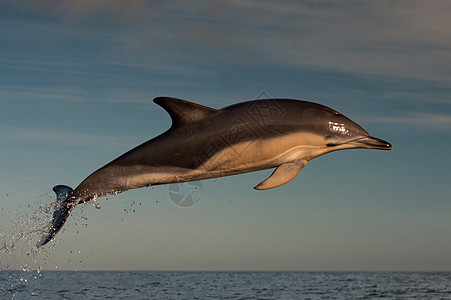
[
  {"x": 369, "y": 142},
  {"x": 375, "y": 143}
]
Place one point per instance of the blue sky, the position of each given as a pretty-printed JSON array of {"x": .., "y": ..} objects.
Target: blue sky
[{"x": 77, "y": 79}]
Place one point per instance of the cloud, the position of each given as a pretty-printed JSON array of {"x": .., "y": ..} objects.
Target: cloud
[
  {"x": 76, "y": 94},
  {"x": 409, "y": 39},
  {"x": 422, "y": 121},
  {"x": 124, "y": 11},
  {"x": 56, "y": 137}
]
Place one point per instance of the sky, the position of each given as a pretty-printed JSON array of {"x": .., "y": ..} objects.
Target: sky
[{"x": 77, "y": 79}]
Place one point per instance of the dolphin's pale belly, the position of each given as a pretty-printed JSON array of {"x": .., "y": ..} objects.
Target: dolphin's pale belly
[
  {"x": 239, "y": 158},
  {"x": 268, "y": 153}
]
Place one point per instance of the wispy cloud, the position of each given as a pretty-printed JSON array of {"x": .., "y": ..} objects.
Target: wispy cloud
[
  {"x": 121, "y": 10},
  {"x": 54, "y": 137},
  {"x": 77, "y": 94},
  {"x": 419, "y": 121},
  {"x": 410, "y": 39}
]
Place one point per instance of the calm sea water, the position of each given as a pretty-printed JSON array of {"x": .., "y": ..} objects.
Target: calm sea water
[{"x": 224, "y": 285}]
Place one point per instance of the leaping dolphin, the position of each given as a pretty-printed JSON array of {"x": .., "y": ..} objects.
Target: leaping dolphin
[{"x": 206, "y": 143}]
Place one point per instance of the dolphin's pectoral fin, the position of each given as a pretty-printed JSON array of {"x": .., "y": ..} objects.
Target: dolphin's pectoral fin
[{"x": 281, "y": 175}]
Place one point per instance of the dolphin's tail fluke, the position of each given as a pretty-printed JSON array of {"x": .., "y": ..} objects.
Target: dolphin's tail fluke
[{"x": 62, "y": 210}]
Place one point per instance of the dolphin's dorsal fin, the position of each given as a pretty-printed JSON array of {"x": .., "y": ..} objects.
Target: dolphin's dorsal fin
[
  {"x": 281, "y": 175},
  {"x": 183, "y": 112}
]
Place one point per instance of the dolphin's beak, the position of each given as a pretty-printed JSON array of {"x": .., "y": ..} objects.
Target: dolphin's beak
[{"x": 373, "y": 143}]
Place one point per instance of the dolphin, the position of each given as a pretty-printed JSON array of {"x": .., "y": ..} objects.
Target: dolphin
[{"x": 204, "y": 143}]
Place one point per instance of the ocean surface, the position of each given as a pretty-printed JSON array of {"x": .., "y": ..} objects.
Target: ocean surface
[{"x": 223, "y": 285}]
